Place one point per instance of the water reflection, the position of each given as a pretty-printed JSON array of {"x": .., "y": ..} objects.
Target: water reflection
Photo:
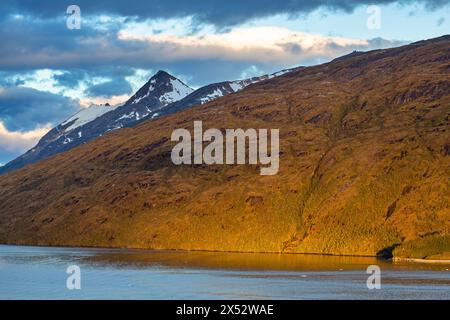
[
  {"x": 40, "y": 273},
  {"x": 250, "y": 261}
]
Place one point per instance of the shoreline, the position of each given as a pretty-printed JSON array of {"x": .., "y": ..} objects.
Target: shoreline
[
  {"x": 393, "y": 260},
  {"x": 419, "y": 260}
]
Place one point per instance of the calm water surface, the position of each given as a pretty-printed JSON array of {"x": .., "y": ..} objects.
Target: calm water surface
[{"x": 40, "y": 273}]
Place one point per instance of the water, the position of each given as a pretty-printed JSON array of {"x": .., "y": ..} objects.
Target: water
[{"x": 40, "y": 273}]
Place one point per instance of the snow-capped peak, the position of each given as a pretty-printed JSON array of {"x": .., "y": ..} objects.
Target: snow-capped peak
[{"x": 162, "y": 86}]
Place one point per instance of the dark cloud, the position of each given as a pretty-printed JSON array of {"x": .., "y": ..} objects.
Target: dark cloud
[
  {"x": 29, "y": 43},
  {"x": 33, "y": 43},
  {"x": 380, "y": 43},
  {"x": 70, "y": 79},
  {"x": 117, "y": 86},
  {"x": 10, "y": 79},
  {"x": 23, "y": 109},
  {"x": 98, "y": 53},
  {"x": 111, "y": 71},
  {"x": 295, "y": 48},
  {"x": 19, "y": 82},
  {"x": 375, "y": 43},
  {"x": 40, "y": 44},
  {"x": 219, "y": 13}
]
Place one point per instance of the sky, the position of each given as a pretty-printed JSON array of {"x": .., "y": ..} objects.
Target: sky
[{"x": 55, "y": 61}]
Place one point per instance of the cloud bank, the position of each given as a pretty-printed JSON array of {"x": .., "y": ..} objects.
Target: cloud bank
[
  {"x": 47, "y": 72},
  {"x": 24, "y": 109},
  {"x": 20, "y": 141},
  {"x": 258, "y": 44},
  {"x": 222, "y": 14}
]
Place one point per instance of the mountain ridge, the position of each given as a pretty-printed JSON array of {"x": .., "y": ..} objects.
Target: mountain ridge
[{"x": 162, "y": 94}]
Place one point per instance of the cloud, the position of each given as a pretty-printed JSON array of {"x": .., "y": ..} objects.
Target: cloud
[
  {"x": 20, "y": 141},
  {"x": 115, "y": 53},
  {"x": 37, "y": 37},
  {"x": 70, "y": 79},
  {"x": 117, "y": 86},
  {"x": 222, "y": 14},
  {"x": 113, "y": 100},
  {"x": 38, "y": 44},
  {"x": 23, "y": 109},
  {"x": 257, "y": 44},
  {"x": 93, "y": 49},
  {"x": 98, "y": 83}
]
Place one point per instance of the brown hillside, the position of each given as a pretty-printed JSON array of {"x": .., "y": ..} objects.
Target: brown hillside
[{"x": 364, "y": 167}]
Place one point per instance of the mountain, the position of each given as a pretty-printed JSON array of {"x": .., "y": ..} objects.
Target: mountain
[
  {"x": 364, "y": 170},
  {"x": 63, "y": 137},
  {"x": 161, "y": 95},
  {"x": 161, "y": 90}
]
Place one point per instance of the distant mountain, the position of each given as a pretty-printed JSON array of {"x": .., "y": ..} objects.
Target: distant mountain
[
  {"x": 63, "y": 137},
  {"x": 161, "y": 90},
  {"x": 161, "y": 95}
]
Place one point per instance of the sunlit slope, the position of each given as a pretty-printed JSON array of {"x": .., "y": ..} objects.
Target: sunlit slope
[{"x": 364, "y": 169}]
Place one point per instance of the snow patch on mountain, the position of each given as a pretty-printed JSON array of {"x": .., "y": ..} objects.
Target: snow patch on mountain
[
  {"x": 279, "y": 73},
  {"x": 87, "y": 115},
  {"x": 236, "y": 86},
  {"x": 178, "y": 92},
  {"x": 67, "y": 140},
  {"x": 214, "y": 95}
]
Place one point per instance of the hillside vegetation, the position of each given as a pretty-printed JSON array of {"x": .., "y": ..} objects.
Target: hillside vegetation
[{"x": 364, "y": 170}]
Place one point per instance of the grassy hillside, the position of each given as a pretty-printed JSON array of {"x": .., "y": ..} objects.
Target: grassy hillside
[{"x": 364, "y": 170}]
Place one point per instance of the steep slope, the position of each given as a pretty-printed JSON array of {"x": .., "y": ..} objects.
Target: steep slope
[
  {"x": 364, "y": 170},
  {"x": 161, "y": 95}
]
